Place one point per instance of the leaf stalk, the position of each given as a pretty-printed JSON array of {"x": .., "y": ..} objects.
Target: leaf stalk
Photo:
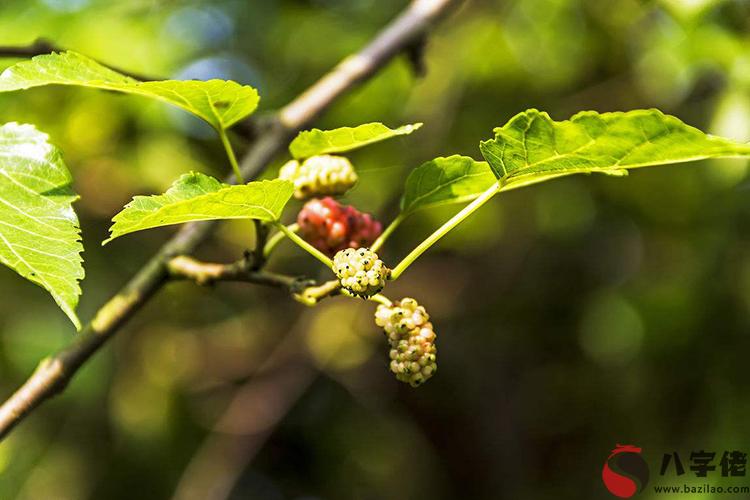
[
  {"x": 444, "y": 229},
  {"x": 230, "y": 154}
]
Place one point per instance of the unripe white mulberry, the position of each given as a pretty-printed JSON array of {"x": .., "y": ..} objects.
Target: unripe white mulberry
[
  {"x": 319, "y": 175},
  {"x": 360, "y": 271},
  {"x": 411, "y": 337}
]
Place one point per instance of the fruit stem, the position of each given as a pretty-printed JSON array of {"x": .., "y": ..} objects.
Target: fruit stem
[
  {"x": 381, "y": 299},
  {"x": 384, "y": 236},
  {"x": 230, "y": 154},
  {"x": 444, "y": 229},
  {"x": 304, "y": 245},
  {"x": 276, "y": 239},
  {"x": 310, "y": 296}
]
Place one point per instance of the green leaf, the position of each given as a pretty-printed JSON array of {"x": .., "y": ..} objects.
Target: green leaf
[
  {"x": 317, "y": 142},
  {"x": 531, "y": 145},
  {"x": 39, "y": 234},
  {"x": 455, "y": 179},
  {"x": 195, "y": 196},
  {"x": 221, "y": 103}
]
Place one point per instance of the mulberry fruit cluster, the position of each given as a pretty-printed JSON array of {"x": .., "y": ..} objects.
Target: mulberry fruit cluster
[
  {"x": 330, "y": 226},
  {"x": 412, "y": 340},
  {"x": 319, "y": 176},
  {"x": 360, "y": 271}
]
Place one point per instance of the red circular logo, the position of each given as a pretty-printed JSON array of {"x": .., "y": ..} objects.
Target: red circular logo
[{"x": 625, "y": 473}]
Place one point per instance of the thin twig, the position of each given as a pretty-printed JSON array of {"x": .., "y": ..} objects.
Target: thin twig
[
  {"x": 314, "y": 294},
  {"x": 36, "y": 48},
  {"x": 261, "y": 237},
  {"x": 53, "y": 374},
  {"x": 41, "y": 46},
  {"x": 183, "y": 267},
  {"x": 306, "y": 291}
]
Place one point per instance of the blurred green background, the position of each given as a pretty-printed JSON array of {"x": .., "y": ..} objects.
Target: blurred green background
[{"x": 571, "y": 316}]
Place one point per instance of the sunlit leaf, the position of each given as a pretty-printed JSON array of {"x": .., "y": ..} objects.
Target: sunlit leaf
[
  {"x": 317, "y": 142},
  {"x": 455, "y": 179},
  {"x": 39, "y": 233},
  {"x": 532, "y": 145},
  {"x": 195, "y": 196},
  {"x": 221, "y": 103}
]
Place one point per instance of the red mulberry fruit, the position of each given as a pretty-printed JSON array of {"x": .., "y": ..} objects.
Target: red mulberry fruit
[{"x": 329, "y": 226}]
